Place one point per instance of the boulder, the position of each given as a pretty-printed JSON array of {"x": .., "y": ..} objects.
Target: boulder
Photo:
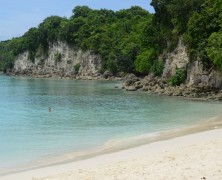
[
  {"x": 130, "y": 79},
  {"x": 107, "y": 74},
  {"x": 138, "y": 85},
  {"x": 130, "y": 88}
]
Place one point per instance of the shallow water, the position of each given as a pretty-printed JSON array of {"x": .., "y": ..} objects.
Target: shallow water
[{"x": 41, "y": 118}]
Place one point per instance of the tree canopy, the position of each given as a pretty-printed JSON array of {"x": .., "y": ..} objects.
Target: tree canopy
[{"x": 129, "y": 40}]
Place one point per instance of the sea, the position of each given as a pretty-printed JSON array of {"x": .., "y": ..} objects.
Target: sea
[{"x": 43, "y": 119}]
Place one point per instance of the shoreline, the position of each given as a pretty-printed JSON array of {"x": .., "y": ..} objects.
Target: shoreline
[
  {"x": 149, "y": 84},
  {"x": 162, "y": 86},
  {"x": 76, "y": 77},
  {"x": 135, "y": 143},
  {"x": 121, "y": 163}
]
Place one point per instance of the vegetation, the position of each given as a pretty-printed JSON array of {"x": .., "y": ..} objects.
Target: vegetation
[
  {"x": 76, "y": 67},
  {"x": 179, "y": 77},
  {"x": 204, "y": 33},
  {"x": 58, "y": 57},
  {"x": 130, "y": 40},
  {"x": 113, "y": 35}
]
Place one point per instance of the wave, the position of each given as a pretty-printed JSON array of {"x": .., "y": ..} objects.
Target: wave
[{"x": 114, "y": 145}]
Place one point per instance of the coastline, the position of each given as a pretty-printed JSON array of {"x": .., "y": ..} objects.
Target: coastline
[
  {"x": 126, "y": 145},
  {"x": 100, "y": 164},
  {"x": 148, "y": 84},
  {"x": 161, "y": 86}
]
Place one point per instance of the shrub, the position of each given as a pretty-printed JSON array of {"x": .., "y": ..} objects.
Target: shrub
[
  {"x": 76, "y": 67},
  {"x": 31, "y": 56},
  {"x": 179, "y": 77},
  {"x": 157, "y": 68},
  {"x": 214, "y": 50},
  {"x": 144, "y": 61},
  {"x": 58, "y": 57}
]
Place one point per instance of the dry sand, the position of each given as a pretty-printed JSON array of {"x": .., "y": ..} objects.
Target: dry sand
[{"x": 195, "y": 156}]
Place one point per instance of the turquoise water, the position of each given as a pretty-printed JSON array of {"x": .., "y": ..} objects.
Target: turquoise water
[{"x": 84, "y": 115}]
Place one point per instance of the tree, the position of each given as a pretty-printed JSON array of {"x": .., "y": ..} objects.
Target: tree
[
  {"x": 49, "y": 30},
  {"x": 144, "y": 61},
  {"x": 81, "y": 11},
  {"x": 214, "y": 50},
  {"x": 201, "y": 26}
]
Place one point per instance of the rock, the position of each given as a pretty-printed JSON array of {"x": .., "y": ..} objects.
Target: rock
[
  {"x": 177, "y": 92},
  {"x": 167, "y": 91},
  {"x": 177, "y": 59},
  {"x": 89, "y": 63},
  {"x": 145, "y": 88},
  {"x": 130, "y": 80},
  {"x": 198, "y": 76},
  {"x": 130, "y": 88},
  {"x": 158, "y": 90},
  {"x": 69, "y": 62},
  {"x": 138, "y": 85},
  {"x": 131, "y": 77},
  {"x": 218, "y": 96},
  {"x": 120, "y": 74},
  {"x": 107, "y": 74},
  {"x": 132, "y": 83}
]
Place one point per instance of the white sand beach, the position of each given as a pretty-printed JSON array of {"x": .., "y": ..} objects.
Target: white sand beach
[{"x": 194, "y": 156}]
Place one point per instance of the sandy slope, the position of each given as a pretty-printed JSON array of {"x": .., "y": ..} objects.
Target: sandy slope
[{"x": 195, "y": 156}]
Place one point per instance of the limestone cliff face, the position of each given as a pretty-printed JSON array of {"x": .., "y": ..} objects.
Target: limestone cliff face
[
  {"x": 62, "y": 60},
  {"x": 196, "y": 75},
  {"x": 22, "y": 62},
  {"x": 176, "y": 59}
]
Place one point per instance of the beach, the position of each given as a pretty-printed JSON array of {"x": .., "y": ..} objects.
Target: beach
[{"x": 193, "y": 156}]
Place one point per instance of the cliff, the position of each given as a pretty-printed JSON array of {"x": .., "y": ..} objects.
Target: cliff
[
  {"x": 196, "y": 74},
  {"x": 67, "y": 62},
  {"x": 199, "y": 83},
  {"x": 62, "y": 61}
]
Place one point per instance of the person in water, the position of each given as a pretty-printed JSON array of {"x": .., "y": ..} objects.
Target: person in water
[{"x": 50, "y": 109}]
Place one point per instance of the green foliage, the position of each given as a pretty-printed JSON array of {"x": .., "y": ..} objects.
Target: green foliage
[
  {"x": 144, "y": 61},
  {"x": 32, "y": 56},
  {"x": 129, "y": 40},
  {"x": 49, "y": 31},
  {"x": 76, "y": 67},
  {"x": 112, "y": 66},
  {"x": 157, "y": 68},
  {"x": 104, "y": 32},
  {"x": 201, "y": 26},
  {"x": 81, "y": 11},
  {"x": 179, "y": 77},
  {"x": 115, "y": 36},
  {"x": 170, "y": 20},
  {"x": 58, "y": 57},
  {"x": 214, "y": 50},
  {"x": 6, "y": 56}
]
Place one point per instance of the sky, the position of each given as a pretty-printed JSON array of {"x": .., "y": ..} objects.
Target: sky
[{"x": 18, "y": 16}]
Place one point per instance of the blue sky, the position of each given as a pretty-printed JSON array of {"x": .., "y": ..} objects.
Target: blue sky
[{"x": 17, "y": 16}]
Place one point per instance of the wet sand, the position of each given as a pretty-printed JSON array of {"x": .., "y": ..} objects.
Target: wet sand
[{"x": 192, "y": 156}]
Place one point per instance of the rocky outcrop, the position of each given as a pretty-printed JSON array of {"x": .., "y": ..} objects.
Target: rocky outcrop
[
  {"x": 197, "y": 76},
  {"x": 131, "y": 82},
  {"x": 199, "y": 83},
  {"x": 107, "y": 74},
  {"x": 66, "y": 61},
  {"x": 159, "y": 85},
  {"x": 62, "y": 61},
  {"x": 176, "y": 60}
]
